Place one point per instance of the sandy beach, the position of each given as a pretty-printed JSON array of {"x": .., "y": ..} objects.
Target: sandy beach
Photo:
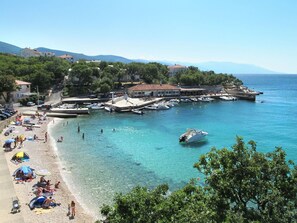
[{"x": 42, "y": 156}]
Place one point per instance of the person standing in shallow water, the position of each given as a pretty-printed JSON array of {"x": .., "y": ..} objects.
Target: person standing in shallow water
[
  {"x": 83, "y": 136},
  {"x": 78, "y": 128},
  {"x": 72, "y": 205}
]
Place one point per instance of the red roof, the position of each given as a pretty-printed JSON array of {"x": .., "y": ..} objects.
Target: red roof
[
  {"x": 66, "y": 56},
  {"x": 153, "y": 87},
  {"x": 22, "y": 82},
  {"x": 176, "y": 66}
]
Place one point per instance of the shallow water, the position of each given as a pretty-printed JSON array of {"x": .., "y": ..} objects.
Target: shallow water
[{"x": 144, "y": 150}]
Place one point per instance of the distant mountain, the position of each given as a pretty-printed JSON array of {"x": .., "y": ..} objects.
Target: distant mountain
[
  {"x": 78, "y": 56},
  {"x": 218, "y": 67},
  {"x": 9, "y": 48},
  {"x": 234, "y": 68}
]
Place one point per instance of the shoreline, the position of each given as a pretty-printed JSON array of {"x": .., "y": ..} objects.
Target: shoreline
[
  {"x": 63, "y": 169},
  {"x": 43, "y": 155}
]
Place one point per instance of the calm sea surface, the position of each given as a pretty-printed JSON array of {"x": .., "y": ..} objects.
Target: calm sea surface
[{"x": 144, "y": 150}]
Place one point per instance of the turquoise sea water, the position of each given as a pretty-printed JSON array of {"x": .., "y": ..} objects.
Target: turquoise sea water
[{"x": 144, "y": 150}]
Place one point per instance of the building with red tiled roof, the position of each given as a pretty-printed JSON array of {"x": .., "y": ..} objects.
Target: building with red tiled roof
[
  {"x": 67, "y": 57},
  {"x": 175, "y": 69},
  {"x": 154, "y": 90}
]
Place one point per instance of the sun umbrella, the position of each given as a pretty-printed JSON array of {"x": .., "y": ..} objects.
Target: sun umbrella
[
  {"x": 20, "y": 155},
  {"x": 43, "y": 172},
  {"x": 9, "y": 141}
]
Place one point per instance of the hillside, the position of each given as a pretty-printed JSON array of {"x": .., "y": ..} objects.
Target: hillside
[
  {"x": 218, "y": 67},
  {"x": 77, "y": 56},
  {"x": 9, "y": 48}
]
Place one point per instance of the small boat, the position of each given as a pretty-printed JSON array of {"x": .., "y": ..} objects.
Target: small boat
[
  {"x": 96, "y": 106},
  {"x": 228, "y": 98},
  {"x": 160, "y": 106},
  {"x": 174, "y": 101},
  {"x": 205, "y": 99},
  {"x": 137, "y": 111},
  {"x": 192, "y": 135},
  {"x": 109, "y": 109},
  {"x": 185, "y": 100}
]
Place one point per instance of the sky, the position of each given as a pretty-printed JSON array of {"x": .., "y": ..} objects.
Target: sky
[{"x": 258, "y": 32}]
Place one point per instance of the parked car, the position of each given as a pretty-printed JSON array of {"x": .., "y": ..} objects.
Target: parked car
[
  {"x": 30, "y": 103},
  {"x": 40, "y": 102},
  {"x": 2, "y": 117},
  {"x": 44, "y": 107},
  {"x": 92, "y": 96},
  {"x": 5, "y": 114}
]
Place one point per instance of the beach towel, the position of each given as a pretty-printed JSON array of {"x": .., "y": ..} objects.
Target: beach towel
[{"x": 39, "y": 211}]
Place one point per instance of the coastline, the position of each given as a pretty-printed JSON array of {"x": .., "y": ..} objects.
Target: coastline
[
  {"x": 43, "y": 156},
  {"x": 63, "y": 169}
]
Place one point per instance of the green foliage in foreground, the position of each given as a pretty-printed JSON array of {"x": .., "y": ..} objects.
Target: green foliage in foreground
[{"x": 242, "y": 185}]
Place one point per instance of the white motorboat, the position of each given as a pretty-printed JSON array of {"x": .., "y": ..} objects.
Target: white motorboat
[
  {"x": 109, "y": 109},
  {"x": 192, "y": 135},
  {"x": 137, "y": 111},
  {"x": 205, "y": 99},
  {"x": 228, "y": 98},
  {"x": 185, "y": 100},
  {"x": 174, "y": 101},
  {"x": 160, "y": 106},
  {"x": 95, "y": 106}
]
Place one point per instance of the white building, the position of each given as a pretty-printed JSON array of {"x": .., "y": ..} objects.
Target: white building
[{"x": 23, "y": 90}]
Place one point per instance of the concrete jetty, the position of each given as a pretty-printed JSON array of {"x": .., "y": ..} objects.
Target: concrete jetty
[{"x": 123, "y": 104}]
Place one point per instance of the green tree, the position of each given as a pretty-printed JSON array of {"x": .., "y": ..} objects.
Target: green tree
[
  {"x": 7, "y": 86},
  {"x": 242, "y": 185},
  {"x": 260, "y": 187}
]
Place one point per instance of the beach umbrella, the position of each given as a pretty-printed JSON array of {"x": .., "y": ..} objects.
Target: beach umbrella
[
  {"x": 43, "y": 172},
  {"x": 19, "y": 155},
  {"x": 9, "y": 141}
]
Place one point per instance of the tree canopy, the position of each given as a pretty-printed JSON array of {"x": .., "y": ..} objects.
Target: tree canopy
[
  {"x": 40, "y": 71},
  {"x": 241, "y": 185},
  {"x": 88, "y": 77}
]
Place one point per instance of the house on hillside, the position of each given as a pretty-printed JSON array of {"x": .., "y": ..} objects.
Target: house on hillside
[
  {"x": 67, "y": 57},
  {"x": 154, "y": 90},
  {"x": 174, "y": 69},
  {"x": 23, "y": 90},
  {"x": 48, "y": 54},
  {"x": 27, "y": 52}
]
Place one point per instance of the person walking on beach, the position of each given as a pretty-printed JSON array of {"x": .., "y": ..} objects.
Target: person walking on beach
[
  {"x": 45, "y": 137},
  {"x": 72, "y": 205}
]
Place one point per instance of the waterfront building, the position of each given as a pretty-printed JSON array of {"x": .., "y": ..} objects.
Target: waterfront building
[
  {"x": 154, "y": 90},
  {"x": 192, "y": 91}
]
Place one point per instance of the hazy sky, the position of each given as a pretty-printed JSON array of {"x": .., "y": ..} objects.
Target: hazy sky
[{"x": 259, "y": 32}]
